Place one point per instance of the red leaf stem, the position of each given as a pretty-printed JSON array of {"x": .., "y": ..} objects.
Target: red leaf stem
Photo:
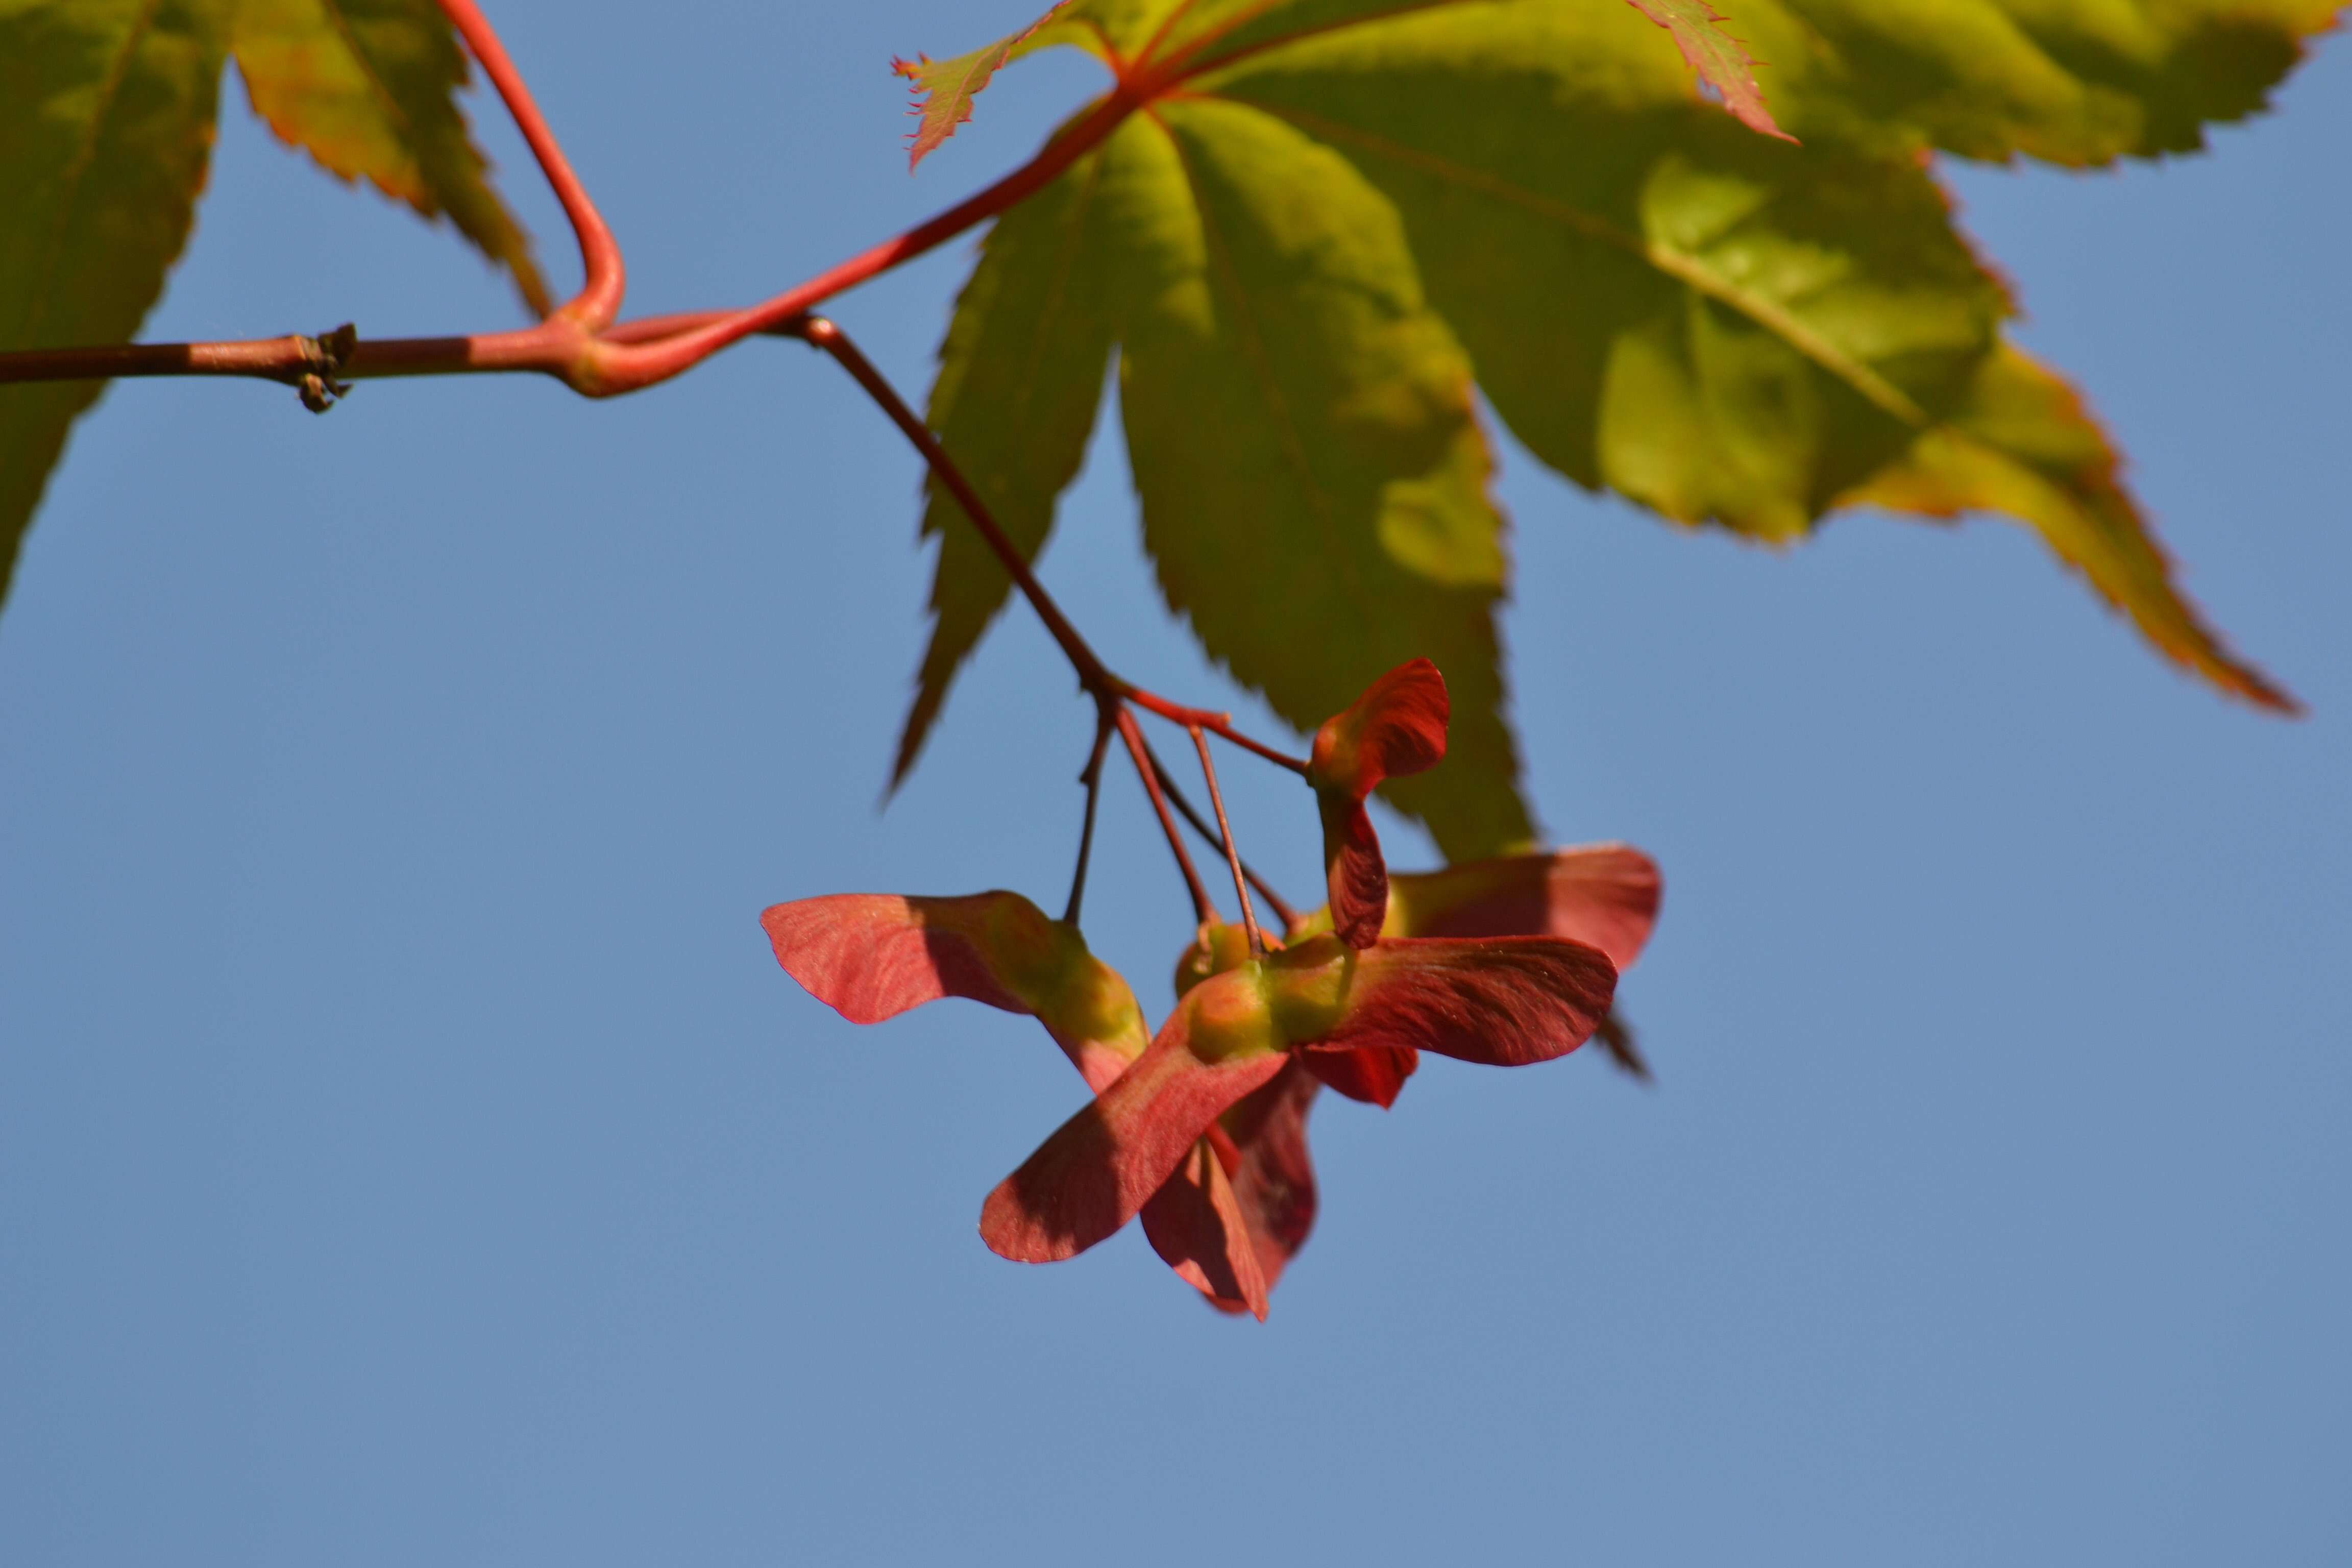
[{"x": 599, "y": 299}]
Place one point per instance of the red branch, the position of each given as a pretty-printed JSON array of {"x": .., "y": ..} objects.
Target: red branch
[
  {"x": 580, "y": 345},
  {"x": 599, "y": 299}
]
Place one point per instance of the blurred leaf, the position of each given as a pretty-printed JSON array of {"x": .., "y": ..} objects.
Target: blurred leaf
[
  {"x": 106, "y": 127},
  {"x": 368, "y": 88},
  {"x": 1317, "y": 237}
]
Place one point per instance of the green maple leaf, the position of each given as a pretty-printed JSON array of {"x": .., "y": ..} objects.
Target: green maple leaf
[
  {"x": 1329, "y": 216},
  {"x": 106, "y": 132}
]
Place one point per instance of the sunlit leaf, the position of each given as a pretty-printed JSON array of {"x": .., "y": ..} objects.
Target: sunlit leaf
[
  {"x": 1336, "y": 211},
  {"x": 367, "y": 87},
  {"x": 106, "y": 125},
  {"x": 1299, "y": 423}
]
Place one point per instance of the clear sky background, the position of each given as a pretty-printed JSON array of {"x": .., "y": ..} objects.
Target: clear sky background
[{"x": 410, "y": 1153}]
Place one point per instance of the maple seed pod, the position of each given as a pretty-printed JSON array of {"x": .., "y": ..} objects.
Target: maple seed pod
[
  {"x": 1396, "y": 727},
  {"x": 1229, "y": 1217},
  {"x": 1218, "y": 948},
  {"x": 1605, "y": 895},
  {"x": 1501, "y": 1001},
  {"x": 871, "y": 956}
]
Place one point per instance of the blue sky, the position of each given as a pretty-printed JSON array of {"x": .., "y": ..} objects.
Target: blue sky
[{"x": 410, "y": 1152}]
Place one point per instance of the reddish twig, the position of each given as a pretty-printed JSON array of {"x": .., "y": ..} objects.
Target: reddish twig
[
  {"x": 1226, "y": 832},
  {"x": 275, "y": 359},
  {"x": 626, "y": 366},
  {"x": 580, "y": 346},
  {"x": 605, "y": 279}
]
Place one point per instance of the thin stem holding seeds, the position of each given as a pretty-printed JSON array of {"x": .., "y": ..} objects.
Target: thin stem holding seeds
[
  {"x": 1282, "y": 909},
  {"x": 1203, "y": 911},
  {"x": 1226, "y": 832}
]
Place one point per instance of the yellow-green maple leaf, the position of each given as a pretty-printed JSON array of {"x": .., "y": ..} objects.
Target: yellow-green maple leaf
[{"x": 1728, "y": 329}]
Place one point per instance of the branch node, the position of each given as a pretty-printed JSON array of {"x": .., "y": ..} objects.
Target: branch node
[{"x": 323, "y": 357}]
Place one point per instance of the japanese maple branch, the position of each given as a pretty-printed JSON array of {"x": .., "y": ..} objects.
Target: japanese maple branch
[{"x": 579, "y": 344}]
